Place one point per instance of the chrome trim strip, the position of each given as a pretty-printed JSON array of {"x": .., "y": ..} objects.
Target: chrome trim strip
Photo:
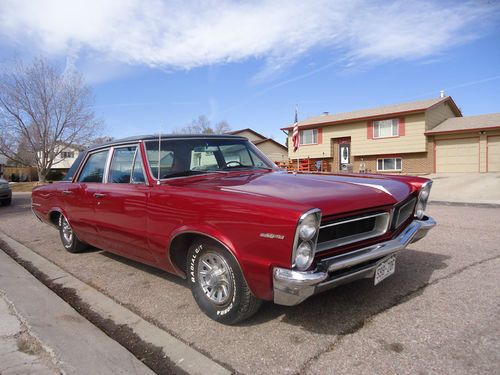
[{"x": 352, "y": 220}]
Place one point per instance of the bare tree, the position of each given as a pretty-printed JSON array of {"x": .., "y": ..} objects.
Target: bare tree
[
  {"x": 202, "y": 125},
  {"x": 43, "y": 111}
]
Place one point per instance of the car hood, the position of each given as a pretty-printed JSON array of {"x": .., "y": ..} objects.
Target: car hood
[{"x": 332, "y": 194}]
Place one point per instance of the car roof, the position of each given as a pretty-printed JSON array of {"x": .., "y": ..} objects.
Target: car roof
[{"x": 165, "y": 137}]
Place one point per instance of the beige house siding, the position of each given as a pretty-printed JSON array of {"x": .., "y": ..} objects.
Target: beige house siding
[
  {"x": 251, "y": 136},
  {"x": 494, "y": 153},
  {"x": 436, "y": 115},
  {"x": 273, "y": 151},
  {"x": 414, "y": 140}
]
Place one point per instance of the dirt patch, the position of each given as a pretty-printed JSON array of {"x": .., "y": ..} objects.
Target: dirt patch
[
  {"x": 149, "y": 354},
  {"x": 27, "y": 344}
]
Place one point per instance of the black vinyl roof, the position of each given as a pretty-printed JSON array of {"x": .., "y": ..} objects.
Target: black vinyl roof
[{"x": 154, "y": 137}]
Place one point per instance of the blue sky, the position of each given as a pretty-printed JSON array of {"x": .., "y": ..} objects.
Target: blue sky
[{"x": 159, "y": 64}]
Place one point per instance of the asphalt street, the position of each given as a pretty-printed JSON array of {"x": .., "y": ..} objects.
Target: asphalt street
[{"x": 438, "y": 313}]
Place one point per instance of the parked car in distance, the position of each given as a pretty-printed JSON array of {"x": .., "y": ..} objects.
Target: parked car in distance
[
  {"x": 5, "y": 192},
  {"x": 217, "y": 212}
]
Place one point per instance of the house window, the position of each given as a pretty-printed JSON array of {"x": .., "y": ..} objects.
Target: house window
[
  {"x": 389, "y": 164},
  {"x": 309, "y": 137},
  {"x": 386, "y": 128},
  {"x": 67, "y": 155}
]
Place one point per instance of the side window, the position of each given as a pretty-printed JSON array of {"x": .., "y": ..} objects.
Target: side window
[
  {"x": 138, "y": 170},
  {"x": 93, "y": 170},
  {"x": 120, "y": 170}
]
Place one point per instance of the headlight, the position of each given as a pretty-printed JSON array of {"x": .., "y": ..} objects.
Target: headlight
[
  {"x": 423, "y": 197},
  {"x": 304, "y": 255},
  {"x": 306, "y": 237},
  {"x": 308, "y": 228}
]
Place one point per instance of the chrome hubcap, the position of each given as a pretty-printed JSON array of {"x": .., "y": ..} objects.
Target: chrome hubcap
[
  {"x": 215, "y": 278},
  {"x": 67, "y": 231}
]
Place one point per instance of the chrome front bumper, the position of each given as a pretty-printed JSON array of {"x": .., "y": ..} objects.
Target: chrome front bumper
[{"x": 292, "y": 287}]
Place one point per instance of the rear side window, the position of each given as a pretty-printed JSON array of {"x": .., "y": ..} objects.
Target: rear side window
[
  {"x": 93, "y": 170},
  {"x": 121, "y": 165}
]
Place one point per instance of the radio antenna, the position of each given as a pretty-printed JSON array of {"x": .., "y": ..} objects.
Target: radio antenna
[{"x": 159, "y": 156}]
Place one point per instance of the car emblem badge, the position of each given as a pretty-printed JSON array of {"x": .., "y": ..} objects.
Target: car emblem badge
[{"x": 272, "y": 236}]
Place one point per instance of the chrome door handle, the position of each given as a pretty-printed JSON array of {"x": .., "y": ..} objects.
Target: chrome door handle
[
  {"x": 99, "y": 195},
  {"x": 67, "y": 192}
]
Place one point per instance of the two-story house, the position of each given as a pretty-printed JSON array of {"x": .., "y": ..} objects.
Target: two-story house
[
  {"x": 419, "y": 137},
  {"x": 272, "y": 149}
]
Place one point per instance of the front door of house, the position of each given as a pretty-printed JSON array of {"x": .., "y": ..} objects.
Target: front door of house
[{"x": 344, "y": 156}]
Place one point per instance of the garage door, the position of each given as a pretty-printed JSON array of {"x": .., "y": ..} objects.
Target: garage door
[
  {"x": 457, "y": 155},
  {"x": 494, "y": 154}
]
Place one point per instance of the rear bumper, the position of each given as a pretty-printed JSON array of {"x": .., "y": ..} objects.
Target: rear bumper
[{"x": 292, "y": 287}]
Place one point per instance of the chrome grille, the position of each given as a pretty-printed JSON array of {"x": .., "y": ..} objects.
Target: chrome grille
[{"x": 354, "y": 229}]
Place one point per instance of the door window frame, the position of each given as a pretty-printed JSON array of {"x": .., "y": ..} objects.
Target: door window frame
[{"x": 110, "y": 159}]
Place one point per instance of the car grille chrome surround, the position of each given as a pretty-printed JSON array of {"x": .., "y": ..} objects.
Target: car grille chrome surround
[
  {"x": 352, "y": 229},
  {"x": 404, "y": 212}
]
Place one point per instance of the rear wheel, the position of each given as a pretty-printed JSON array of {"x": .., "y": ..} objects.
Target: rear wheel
[
  {"x": 218, "y": 285},
  {"x": 6, "y": 202},
  {"x": 68, "y": 238}
]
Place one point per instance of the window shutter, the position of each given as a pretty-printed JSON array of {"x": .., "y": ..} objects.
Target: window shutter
[
  {"x": 401, "y": 126},
  {"x": 320, "y": 136},
  {"x": 369, "y": 130}
]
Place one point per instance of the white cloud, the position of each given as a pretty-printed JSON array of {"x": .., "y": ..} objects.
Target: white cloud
[{"x": 178, "y": 34}]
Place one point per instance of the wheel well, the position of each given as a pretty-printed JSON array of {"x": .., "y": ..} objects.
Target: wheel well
[
  {"x": 54, "y": 218},
  {"x": 180, "y": 246}
]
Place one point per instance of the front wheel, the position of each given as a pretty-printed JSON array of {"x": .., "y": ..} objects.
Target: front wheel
[
  {"x": 68, "y": 238},
  {"x": 218, "y": 285}
]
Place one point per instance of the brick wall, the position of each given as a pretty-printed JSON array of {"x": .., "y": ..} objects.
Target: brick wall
[{"x": 413, "y": 163}]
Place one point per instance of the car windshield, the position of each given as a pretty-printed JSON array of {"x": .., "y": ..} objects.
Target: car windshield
[{"x": 185, "y": 157}]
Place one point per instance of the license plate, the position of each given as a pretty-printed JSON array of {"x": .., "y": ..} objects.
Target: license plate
[{"x": 385, "y": 269}]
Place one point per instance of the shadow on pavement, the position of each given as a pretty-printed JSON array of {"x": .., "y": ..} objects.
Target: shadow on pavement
[{"x": 346, "y": 308}]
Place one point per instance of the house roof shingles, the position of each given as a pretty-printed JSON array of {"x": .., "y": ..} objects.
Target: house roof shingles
[
  {"x": 415, "y": 106},
  {"x": 468, "y": 123}
]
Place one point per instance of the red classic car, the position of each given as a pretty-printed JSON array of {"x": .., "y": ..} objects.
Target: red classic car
[{"x": 215, "y": 211}]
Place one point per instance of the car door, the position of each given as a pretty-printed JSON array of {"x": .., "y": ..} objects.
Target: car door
[
  {"x": 121, "y": 205},
  {"x": 79, "y": 197}
]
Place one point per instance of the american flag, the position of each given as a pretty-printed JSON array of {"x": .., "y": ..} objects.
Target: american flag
[{"x": 295, "y": 134}]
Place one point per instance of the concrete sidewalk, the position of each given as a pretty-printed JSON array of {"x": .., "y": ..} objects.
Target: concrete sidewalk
[
  {"x": 42, "y": 334},
  {"x": 20, "y": 351}
]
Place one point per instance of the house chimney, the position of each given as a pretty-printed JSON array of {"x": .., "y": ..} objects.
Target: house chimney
[
  {"x": 326, "y": 113},
  {"x": 441, "y": 94}
]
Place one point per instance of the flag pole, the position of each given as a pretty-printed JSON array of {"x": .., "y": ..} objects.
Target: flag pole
[{"x": 298, "y": 142}]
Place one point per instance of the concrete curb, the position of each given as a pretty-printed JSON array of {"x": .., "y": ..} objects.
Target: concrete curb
[
  {"x": 466, "y": 204},
  {"x": 183, "y": 356}
]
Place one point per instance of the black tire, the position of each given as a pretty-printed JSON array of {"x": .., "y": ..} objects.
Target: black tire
[
  {"x": 236, "y": 302},
  {"x": 7, "y": 202},
  {"x": 68, "y": 238}
]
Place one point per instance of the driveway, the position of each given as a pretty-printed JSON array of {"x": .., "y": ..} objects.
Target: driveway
[
  {"x": 437, "y": 314},
  {"x": 481, "y": 188}
]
